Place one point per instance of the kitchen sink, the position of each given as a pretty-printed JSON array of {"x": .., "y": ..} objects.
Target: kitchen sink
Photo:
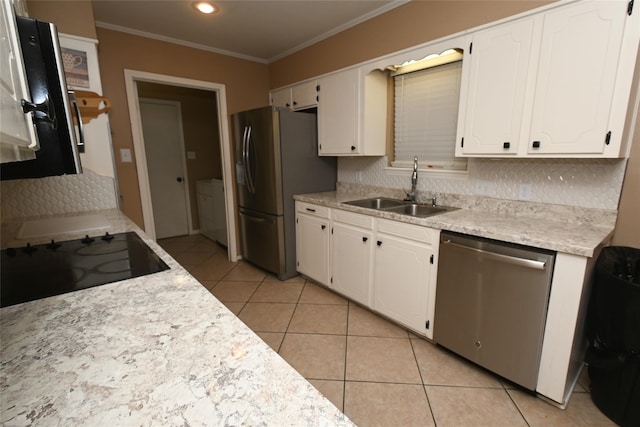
[
  {"x": 399, "y": 206},
  {"x": 414, "y": 209},
  {"x": 376, "y": 203}
]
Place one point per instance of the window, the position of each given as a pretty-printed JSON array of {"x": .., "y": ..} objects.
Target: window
[{"x": 426, "y": 115}]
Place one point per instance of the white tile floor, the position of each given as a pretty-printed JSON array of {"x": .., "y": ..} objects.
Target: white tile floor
[{"x": 376, "y": 372}]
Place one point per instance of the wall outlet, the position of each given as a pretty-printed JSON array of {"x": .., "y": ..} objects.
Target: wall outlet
[
  {"x": 524, "y": 192},
  {"x": 191, "y": 155}
]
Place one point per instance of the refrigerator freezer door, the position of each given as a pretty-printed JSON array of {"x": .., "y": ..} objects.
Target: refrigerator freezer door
[
  {"x": 257, "y": 155},
  {"x": 263, "y": 240}
]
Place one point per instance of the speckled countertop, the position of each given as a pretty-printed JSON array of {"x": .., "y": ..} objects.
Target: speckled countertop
[
  {"x": 568, "y": 230},
  {"x": 154, "y": 350}
]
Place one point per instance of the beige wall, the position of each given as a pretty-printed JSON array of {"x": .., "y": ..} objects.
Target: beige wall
[
  {"x": 71, "y": 17},
  {"x": 246, "y": 87},
  {"x": 628, "y": 225},
  {"x": 408, "y": 25},
  {"x": 200, "y": 130}
]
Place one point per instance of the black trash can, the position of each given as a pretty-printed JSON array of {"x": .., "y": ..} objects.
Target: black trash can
[{"x": 613, "y": 330}]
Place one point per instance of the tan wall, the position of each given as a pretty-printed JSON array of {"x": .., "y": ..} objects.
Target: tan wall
[
  {"x": 70, "y": 17},
  {"x": 628, "y": 226},
  {"x": 408, "y": 25},
  {"x": 200, "y": 130},
  {"x": 246, "y": 87}
]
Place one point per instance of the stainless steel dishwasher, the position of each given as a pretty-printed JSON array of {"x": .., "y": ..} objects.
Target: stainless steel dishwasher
[{"x": 491, "y": 304}]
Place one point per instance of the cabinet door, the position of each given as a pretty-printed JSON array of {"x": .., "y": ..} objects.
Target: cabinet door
[
  {"x": 312, "y": 247},
  {"x": 499, "y": 66},
  {"x": 304, "y": 95},
  {"x": 17, "y": 135},
  {"x": 351, "y": 253},
  {"x": 338, "y": 113},
  {"x": 401, "y": 280},
  {"x": 281, "y": 98},
  {"x": 579, "y": 56}
]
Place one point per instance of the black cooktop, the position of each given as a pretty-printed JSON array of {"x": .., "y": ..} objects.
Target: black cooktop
[{"x": 33, "y": 272}]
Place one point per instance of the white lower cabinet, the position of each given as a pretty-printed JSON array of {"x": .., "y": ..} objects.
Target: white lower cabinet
[
  {"x": 404, "y": 263},
  {"x": 388, "y": 266},
  {"x": 312, "y": 241},
  {"x": 351, "y": 255}
]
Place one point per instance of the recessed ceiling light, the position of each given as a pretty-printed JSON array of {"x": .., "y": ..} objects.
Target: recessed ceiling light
[{"x": 204, "y": 7}]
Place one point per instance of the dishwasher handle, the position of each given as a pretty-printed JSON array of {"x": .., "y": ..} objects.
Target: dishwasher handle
[{"x": 521, "y": 262}]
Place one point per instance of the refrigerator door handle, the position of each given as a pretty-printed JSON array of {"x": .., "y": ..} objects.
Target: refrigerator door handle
[
  {"x": 245, "y": 156},
  {"x": 249, "y": 171}
]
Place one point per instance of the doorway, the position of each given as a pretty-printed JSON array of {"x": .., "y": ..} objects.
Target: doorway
[
  {"x": 133, "y": 77},
  {"x": 166, "y": 166}
]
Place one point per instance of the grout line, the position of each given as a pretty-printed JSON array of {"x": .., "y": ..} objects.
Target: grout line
[{"x": 346, "y": 353}]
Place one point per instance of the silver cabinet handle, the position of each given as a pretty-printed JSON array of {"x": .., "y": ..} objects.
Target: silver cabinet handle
[
  {"x": 76, "y": 109},
  {"x": 522, "y": 262},
  {"x": 252, "y": 187}
]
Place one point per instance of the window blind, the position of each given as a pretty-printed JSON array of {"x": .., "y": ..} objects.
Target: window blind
[{"x": 426, "y": 116}]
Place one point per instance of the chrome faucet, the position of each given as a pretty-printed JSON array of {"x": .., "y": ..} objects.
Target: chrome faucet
[{"x": 411, "y": 197}]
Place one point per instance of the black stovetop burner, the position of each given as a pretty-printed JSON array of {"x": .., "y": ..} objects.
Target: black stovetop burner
[{"x": 33, "y": 272}]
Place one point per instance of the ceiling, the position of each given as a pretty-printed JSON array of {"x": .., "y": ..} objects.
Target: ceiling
[{"x": 258, "y": 30}]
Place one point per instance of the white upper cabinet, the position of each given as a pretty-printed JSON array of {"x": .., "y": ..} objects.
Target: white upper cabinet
[
  {"x": 298, "y": 97},
  {"x": 304, "y": 95},
  {"x": 352, "y": 113},
  {"x": 555, "y": 84},
  {"x": 499, "y": 62},
  {"x": 17, "y": 134},
  {"x": 338, "y": 97},
  {"x": 577, "y": 73},
  {"x": 281, "y": 97}
]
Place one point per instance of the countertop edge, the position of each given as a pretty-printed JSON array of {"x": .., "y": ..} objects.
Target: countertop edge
[{"x": 560, "y": 236}]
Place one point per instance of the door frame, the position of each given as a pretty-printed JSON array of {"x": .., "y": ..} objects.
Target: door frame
[
  {"x": 183, "y": 158},
  {"x": 133, "y": 76}
]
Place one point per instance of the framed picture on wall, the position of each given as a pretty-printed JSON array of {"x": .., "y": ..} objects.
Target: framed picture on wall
[{"x": 80, "y": 61}]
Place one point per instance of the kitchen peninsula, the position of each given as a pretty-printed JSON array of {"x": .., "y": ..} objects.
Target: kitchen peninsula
[{"x": 154, "y": 350}]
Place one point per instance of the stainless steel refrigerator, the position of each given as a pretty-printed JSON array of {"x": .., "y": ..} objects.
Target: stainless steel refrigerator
[{"x": 276, "y": 156}]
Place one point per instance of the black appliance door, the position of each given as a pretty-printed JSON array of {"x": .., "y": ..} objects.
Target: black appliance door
[{"x": 58, "y": 153}]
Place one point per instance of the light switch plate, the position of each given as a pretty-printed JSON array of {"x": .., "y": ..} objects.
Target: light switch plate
[
  {"x": 125, "y": 155},
  {"x": 191, "y": 155}
]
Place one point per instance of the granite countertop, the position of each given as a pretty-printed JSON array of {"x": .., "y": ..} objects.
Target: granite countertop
[
  {"x": 566, "y": 231},
  {"x": 154, "y": 350}
]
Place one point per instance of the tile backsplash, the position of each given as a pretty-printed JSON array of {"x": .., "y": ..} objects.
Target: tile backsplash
[
  {"x": 57, "y": 195},
  {"x": 586, "y": 183}
]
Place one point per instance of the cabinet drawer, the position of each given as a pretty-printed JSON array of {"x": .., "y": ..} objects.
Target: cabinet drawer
[
  {"x": 351, "y": 218},
  {"x": 315, "y": 210},
  {"x": 408, "y": 231}
]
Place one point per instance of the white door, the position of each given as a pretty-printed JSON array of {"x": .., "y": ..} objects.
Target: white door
[
  {"x": 576, "y": 77},
  {"x": 164, "y": 148},
  {"x": 312, "y": 236},
  {"x": 494, "y": 108},
  {"x": 351, "y": 260},
  {"x": 401, "y": 280},
  {"x": 338, "y": 113}
]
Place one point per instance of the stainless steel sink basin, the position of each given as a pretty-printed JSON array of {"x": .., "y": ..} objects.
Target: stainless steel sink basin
[
  {"x": 399, "y": 206},
  {"x": 376, "y": 203},
  {"x": 417, "y": 210}
]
